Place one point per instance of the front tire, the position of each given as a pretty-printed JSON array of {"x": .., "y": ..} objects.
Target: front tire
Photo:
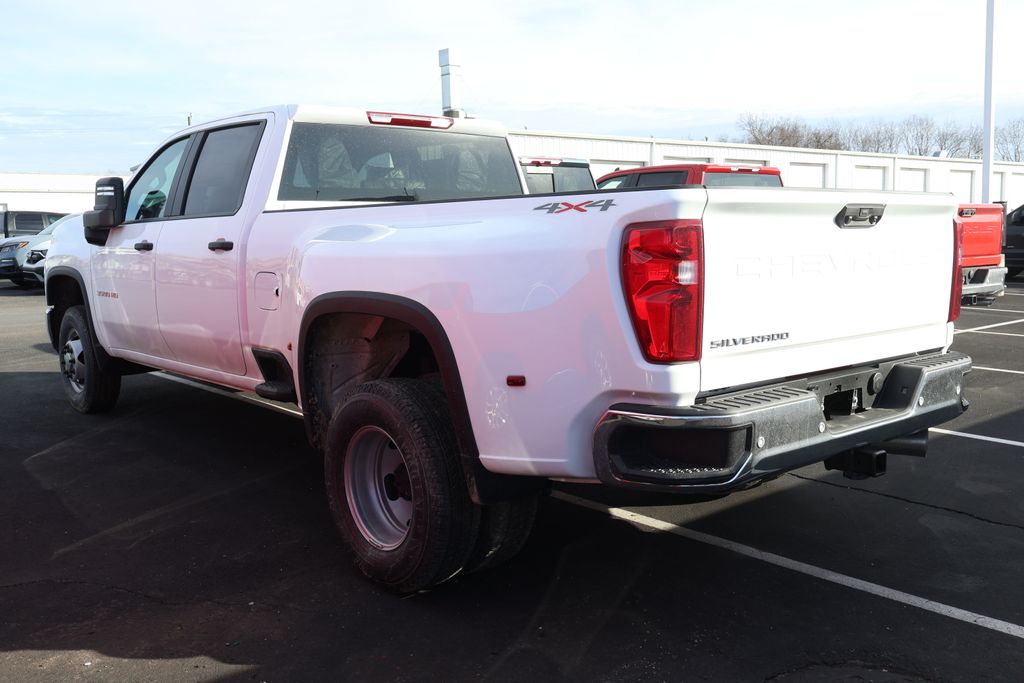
[
  {"x": 395, "y": 485},
  {"x": 89, "y": 388}
]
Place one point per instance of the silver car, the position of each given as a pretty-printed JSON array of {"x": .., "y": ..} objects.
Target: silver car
[{"x": 22, "y": 258}]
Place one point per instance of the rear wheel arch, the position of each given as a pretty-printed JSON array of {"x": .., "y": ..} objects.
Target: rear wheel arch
[
  {"x": 428, "y": 352},
  {"x": 428, "y": 343}
]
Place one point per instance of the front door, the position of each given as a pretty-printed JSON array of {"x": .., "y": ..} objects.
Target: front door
[{"x": 124, "y": 268}]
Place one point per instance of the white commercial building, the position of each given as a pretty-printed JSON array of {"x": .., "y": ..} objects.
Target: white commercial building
[
  {"x": 56, "y": 192},
  {"x": 800, "y": 167}
]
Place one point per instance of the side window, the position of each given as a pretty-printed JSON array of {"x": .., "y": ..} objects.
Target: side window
[
  {"x": 222, "y": 171},
  {"x": 147, "y": 197},
  {"x": 665, "y": 179},
  {"x": 613, "y": 183}
]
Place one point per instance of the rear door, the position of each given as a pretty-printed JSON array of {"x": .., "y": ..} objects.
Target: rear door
[
  {"x": 198, "y": 256},
  {"x": 789, "y": 288}
]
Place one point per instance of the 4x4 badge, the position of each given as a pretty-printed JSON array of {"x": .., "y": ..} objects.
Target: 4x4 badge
[{"x": 582, "y": 207}]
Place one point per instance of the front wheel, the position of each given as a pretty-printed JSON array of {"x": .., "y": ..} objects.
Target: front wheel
[
  {"x": 89, "y": 387},
  {"x": 395, "y": 485}
]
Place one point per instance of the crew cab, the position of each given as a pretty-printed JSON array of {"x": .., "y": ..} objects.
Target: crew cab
[
  {"x": 670, "y": 175},
  {"x": 454, "y": 344},
  {"x": 982, "y": 260}
]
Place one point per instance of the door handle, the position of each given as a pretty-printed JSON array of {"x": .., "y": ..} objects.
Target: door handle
[
  {"x": 144, "y": 246},
  {"x": 221, "y": 245}
]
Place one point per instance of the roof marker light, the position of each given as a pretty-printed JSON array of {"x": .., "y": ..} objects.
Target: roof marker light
[{"x": 414, "y": 120}]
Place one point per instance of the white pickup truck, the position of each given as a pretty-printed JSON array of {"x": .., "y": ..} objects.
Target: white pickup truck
[{"x": 455, "y": 344}]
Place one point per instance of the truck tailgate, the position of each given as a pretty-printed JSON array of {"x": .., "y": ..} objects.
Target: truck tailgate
[
  {"x": 983, "y": 234},
  {"x": 788, "y": 291}
]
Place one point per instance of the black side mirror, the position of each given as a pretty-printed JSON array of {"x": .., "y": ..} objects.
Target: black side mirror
[{"x": 108, "y": 211}]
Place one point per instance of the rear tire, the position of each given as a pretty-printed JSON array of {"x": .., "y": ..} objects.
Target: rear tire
[
  {"x": 504, "y": 530},
  {"x": 89, "y": 388},
  {"x": 395, "y": 485}
]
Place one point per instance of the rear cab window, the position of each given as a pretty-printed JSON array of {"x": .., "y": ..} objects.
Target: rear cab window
[
  {"x": 661, "y": 179},
  {"x": 557, "y": 175},
  {"x": 742, "y": 180},
  {"x": 336, "y": 162}
]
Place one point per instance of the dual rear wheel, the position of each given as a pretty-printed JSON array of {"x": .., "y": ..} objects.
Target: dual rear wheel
[{"x": 398, "y": 495}]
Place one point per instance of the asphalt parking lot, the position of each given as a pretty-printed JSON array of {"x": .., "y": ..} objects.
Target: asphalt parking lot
[{"x": 185, "y": 536}]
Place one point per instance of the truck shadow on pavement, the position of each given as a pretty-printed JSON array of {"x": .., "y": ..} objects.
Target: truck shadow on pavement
[{"x": 186, "y": 535}]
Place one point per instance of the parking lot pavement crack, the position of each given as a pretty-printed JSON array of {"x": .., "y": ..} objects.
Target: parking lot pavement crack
[{"x": 1010, "y": 525}]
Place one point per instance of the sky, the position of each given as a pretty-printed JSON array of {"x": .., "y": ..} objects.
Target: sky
[{"x": 95, "y": 87}]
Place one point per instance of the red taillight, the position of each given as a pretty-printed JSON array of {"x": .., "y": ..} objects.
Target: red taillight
[
  {"x": 663, "y": 275},
  {"x": 416, "y": 120},
  {"x": 957, "y": 289}
]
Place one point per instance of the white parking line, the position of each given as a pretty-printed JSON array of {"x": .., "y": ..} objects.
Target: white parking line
[
  {"x": 978, "y": 437},
  {"x": 1006, "y": 627},
  {"x": 1012, "y": 372},
  {"x": 987, "y": 327},
  {"x": 1001, "y": 334},
  {"x": 972, "y": 309}
]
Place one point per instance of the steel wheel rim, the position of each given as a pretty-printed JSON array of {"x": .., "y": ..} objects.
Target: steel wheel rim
[
  {"x": 72, "y": 362},
  {"x": 377, "y": 488}
]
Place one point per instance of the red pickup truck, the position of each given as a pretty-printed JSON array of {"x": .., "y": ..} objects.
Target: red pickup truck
[
  {"x": 691, "y": 174},
  {"x": 982, "y": 258}
]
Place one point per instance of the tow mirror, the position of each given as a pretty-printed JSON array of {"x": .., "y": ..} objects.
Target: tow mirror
[{"x": 108, "y": 211}]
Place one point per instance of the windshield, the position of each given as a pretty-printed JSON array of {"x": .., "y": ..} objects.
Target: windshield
[
  {"x": 334, "y": 162},
  {"x": 742, "y": 180}
]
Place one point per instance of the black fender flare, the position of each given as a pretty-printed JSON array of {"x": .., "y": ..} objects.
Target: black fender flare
[
  {"x": 53, "y": 325},
  {"x": 484, "y": 486}
]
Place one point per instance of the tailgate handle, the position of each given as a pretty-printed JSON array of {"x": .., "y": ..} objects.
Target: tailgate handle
[{"x": 860, "y": 215}]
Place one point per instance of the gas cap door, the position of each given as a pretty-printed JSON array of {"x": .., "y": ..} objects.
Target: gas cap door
[{"x": 267, "y": 290}]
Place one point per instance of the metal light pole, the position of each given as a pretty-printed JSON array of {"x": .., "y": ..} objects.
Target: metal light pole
[{"x": 990, "y": 129}]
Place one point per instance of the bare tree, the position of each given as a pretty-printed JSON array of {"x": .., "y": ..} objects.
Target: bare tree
[
  {"x": 917, "y": 135},
  {"x": 876, "y": 136},
  {"x": 778, "y": 132},
  {"x": 827, "y": 136},
  {"x": 951, "y": 138},
  {"x": 1010, "y": 141}
]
